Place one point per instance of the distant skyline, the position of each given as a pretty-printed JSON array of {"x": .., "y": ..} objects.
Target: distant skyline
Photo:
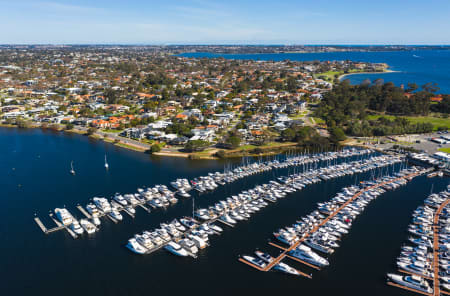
[{"x": 234, "y": 22}]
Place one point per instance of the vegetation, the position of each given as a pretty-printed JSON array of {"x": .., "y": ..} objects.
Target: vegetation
[
  {"x": 155, "y": 148},
  {"x": 347, "y": 106},
  {"x": 196, "y": 145}
]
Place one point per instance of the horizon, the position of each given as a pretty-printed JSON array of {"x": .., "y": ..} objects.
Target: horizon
[{"x": 63, "y": 22}]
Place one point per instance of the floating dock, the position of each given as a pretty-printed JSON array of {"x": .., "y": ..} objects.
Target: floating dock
[
  {"x": 83, "y": 211},
  {"x": 436, "y": 287},
  {"x": 296, "y": 244}
]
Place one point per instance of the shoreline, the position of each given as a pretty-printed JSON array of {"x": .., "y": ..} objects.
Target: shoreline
[{"x": 372, "y": 73}]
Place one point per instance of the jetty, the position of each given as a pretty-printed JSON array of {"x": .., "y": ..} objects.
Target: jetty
[{"x": 285, "y": 251}]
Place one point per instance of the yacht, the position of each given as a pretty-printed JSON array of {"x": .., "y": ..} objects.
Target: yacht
[
  {"x": 119, "y": 198},
  {"x": 135, "y": 247},
  {"x": 264, "y": 256},
  {"x": 305, "y": 253},
  {"x": 116, "y": 214},
  {"x": 103, "y": 204},
  {"x": 87, "y": 226},
  {"x": 176, "y": 249},
  {"x": 64, "y": 216},
  {"x": 189, "y": 245},
  {"x": 286, "y": 268},
  {"x": 92, "y": 209},
  {"x": 256, "y": 261},
  {"x": 75, "y": 226},
  {"x": 413, "y": 282}
]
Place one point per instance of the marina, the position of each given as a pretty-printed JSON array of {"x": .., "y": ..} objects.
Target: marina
[
  {"x": 426, "y": 261},
  {"x": 370, "y": 246},
  {"x": 160, "y": 196},
  {"x": 300, "y": 233},
  {"x": 241, "y": 206}
]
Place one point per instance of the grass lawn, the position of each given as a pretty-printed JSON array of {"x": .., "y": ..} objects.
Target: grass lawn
[
  {"x": 111, "y": 131},
  {"x": 329, "y": 75},
  {"x": 435, "y": 121},
  {"x": 447, "y": 150},
  {"x": 319, "y": 120}
]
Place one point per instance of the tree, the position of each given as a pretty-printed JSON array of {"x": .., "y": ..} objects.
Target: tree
[
  {"x": 288, "y": 134},
  {"x": 234, "y": 141},
  {"x": 196, "y": 145},
  {"x": 69, "y": 126},
  {"x": 91, "y": 131},
  {"x": 155, "y": 148},
  {"x": 337, "y": 134},
  {"x": 220, "y": 154}
]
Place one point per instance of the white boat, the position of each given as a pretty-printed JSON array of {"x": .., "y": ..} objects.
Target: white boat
[
  {"x": 176, "y": 249},
  {"x": 64, "y": 216},
  {"x": 264, "y": 256},
  {"x": 189, "y": 245},
  {"x": 92, "y": 209},
  {"x": 119, "y": 198},
  {"x": 305, "y": 253},
  {"x": 72, "y": 171},
  {"x": 75, "y": 226},
  {"x": 286, "y": 268},
  {"x": 106, "y": 163},
  {"x": 87, "y": 226},
  {"x": 413, "y": 282},
  {"x": 135, "y": 247},
  {"x": 116, "y": 214},
  {"x": 256, "y": 261},
  {"x": 103, "y": 204}
]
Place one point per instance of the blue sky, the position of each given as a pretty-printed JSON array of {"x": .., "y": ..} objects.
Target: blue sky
[{"x": 227, "y": 21}]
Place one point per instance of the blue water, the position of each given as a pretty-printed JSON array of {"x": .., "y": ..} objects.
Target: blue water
[
  {"x": 414, "y": 66},
  {"x": 35, "y": 178}
]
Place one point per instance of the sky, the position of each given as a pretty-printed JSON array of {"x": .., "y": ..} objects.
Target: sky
[{"x": 225, "y": 22}]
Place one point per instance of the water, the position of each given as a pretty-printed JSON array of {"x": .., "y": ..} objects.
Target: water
[
  {"x": 421, "y": 66},
  {"x": 38, "y": 264}
]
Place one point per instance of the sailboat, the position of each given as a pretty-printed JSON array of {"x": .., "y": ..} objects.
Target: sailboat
[
  {"x": 106, "y": 163},
  {"x": 72, "y": 171}
]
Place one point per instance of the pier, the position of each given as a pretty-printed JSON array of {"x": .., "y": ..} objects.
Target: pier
[
  {"x": 301, "y": 240},
  {"x": 83, "y": 211},
  {"x": 436, "y": 288}
]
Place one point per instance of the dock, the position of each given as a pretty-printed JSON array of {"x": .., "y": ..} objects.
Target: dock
[
  {"x": 408, "y": 289},
  {"x": 225, "y": 223},
  {"x": 41, "y": 225},
  {"x": 332, "y": 215},
  {"x": 145, "y": 208},
  {"x": 83, "y": 211},
  {"x": 436, "y": 287}
]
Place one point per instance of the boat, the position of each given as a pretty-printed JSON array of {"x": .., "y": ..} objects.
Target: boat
[
  {"x": 116, "y": 214},
  {"x": 411, "y": 281},
  {"x": 103, "y": 204},
  {"x": 176, "y": 249},
  {"x": 75, "y": 226},
  {"x": 92, "y": 209},
  {"x": 135, "y": 247},
  {"x": 256, "y": 261},
  {"x": 189, "y": 245},
  {"x": 64, "y": 216},
  {"x": 72, "y": 171},
  {"x": 119, "y": 198},
  {"x": 106, "y": 163},
  {"x": 305, "y": 253},
  {"x": 87, "y": 226},
  {"x": 286, "y": 268},
  {"x": 264, "y": 256}
]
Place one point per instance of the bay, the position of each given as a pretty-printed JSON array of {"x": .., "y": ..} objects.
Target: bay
[
  {"x": 35, "y": 178},
  {"x": 419, "y": 66}
]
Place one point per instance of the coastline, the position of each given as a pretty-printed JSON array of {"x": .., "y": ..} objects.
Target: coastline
[
  {"x": 209, "y": 155},
  {"x": 372, "y": 73}
]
